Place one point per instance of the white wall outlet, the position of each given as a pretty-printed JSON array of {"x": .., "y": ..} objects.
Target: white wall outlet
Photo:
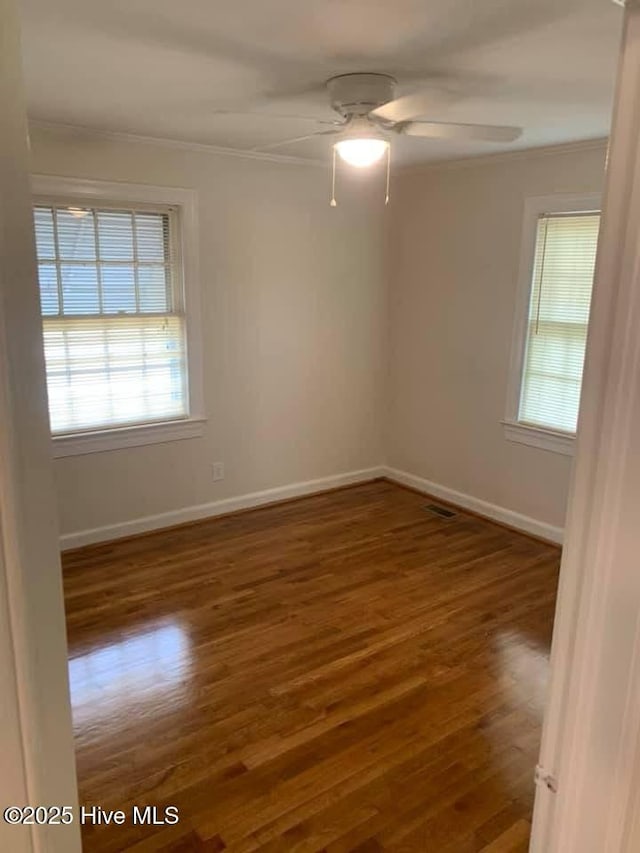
[{"x": 217, "y": 470}]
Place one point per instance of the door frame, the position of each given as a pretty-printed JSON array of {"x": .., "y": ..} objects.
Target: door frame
[
  {"x": 36, "y": 743},
  {"x": 591, "y": 737}
]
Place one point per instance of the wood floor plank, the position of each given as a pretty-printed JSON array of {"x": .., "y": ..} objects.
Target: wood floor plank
[
  {"x": 345, "y": 672},
  {"x": 512, "y": 840}
]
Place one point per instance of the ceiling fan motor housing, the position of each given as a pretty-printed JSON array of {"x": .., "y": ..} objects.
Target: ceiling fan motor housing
[{"x": 358, "y": 94}]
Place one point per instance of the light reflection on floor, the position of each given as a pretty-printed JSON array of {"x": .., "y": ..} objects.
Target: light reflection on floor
[
  {"x": 524, "y": 669},
  {"x": 152, "y": 665},
  {"x": 520, "y": 667}
]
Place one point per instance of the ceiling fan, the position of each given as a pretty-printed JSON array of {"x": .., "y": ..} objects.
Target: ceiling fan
[{"x": 370, "y": 113}]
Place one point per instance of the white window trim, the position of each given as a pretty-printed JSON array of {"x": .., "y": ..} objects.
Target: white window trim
[
  {"x": 535, "y": 436},
  {"x": 515, "y": 430},
  {"x": 187, "y": 204},
  {"x": 115, "y": 438}
]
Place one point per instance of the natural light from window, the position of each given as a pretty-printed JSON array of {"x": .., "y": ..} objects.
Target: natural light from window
[
  {"x": 113, "y": 318},
  {"x": 558, "y": 319},
  {"x": 151, "y": 665}
]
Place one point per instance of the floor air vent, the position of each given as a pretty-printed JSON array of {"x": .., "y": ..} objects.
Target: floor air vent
[{"x": 440, "y": 511}]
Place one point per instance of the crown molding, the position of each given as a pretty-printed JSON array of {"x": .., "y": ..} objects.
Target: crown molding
[
  {"x": 184, "y": 145},
  {"x": 265, "y": 157},
  {"x": 505, "y": 156}
]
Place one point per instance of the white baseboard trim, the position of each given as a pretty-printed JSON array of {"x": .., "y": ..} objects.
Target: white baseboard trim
[
  {"x": 489, "y": 510},
  {"x": 309, "y": 487},
  {"x": 210, "y": 510}
]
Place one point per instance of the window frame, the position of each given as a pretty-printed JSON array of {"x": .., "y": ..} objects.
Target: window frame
[
  {"x": 515, "y": 430},
  {"x": 64, "y": 190}
]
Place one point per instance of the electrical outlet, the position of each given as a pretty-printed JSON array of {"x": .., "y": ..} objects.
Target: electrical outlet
[{"x": 217, "y": 470}]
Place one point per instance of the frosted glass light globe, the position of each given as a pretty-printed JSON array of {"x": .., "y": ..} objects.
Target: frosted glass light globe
[{"x": 361, "y": 152}]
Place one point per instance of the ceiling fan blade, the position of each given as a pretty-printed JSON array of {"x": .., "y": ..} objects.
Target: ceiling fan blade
[
  {"x": 285, "y": 116},
  {"x": 295, "y": 139},
  {"x": 446, "y": 130},
  {"x": 414, "y": 106}
]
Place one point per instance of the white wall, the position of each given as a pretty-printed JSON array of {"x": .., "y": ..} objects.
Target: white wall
[
  {"x": 293, "y": 326},
  {"x": 453, "y": 268},
  {"x": 335, "y": 340}
]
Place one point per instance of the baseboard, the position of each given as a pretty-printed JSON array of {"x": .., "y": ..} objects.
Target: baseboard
[
  {"x": 210, "y": 510},
  {"x": 525, "y": 523},
  {"x": 109, "y": 532}
]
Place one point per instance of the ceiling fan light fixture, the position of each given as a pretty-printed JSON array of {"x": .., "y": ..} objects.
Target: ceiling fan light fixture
[{"x": 362, "y": 151}]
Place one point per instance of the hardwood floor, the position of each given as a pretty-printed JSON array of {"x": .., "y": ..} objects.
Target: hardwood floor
[{"x": 346, "y": 672}]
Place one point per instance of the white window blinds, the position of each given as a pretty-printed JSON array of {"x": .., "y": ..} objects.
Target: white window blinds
[
  {"x": 558, "y": 319},
  {"x": 113, "y": 318}
]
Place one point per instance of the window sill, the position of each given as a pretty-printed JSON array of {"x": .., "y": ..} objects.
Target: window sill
[
  {"x": 132, "y": 436},
  {"x": 544, "y": 439}
]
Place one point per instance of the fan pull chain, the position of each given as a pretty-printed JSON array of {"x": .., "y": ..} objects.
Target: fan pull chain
[
  {"x": 386, "y": 198},
  {"x": 333, "y": 202}
]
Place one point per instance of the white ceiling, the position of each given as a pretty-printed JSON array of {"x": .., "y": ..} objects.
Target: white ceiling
[{"x": 171, "y": 69}]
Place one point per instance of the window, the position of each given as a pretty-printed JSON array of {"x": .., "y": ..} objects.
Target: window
[
  {"x": 114, "y": 320},
  {"x": 551, "y": 333}
]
